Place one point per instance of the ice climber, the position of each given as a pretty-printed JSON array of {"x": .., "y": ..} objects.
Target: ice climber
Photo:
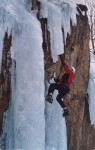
[{"x": 62, "y": 85}]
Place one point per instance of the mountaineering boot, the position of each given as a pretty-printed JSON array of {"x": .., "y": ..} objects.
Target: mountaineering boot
[
  {"x": 66, "y": 112},
  {"x": 49, "y": 98}
]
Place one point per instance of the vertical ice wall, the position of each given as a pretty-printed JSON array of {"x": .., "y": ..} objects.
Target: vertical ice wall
[
  {"x": 25, "y": 122},
  {"x": 91, "y": 89},
  {"x": 29, "y": 92}
]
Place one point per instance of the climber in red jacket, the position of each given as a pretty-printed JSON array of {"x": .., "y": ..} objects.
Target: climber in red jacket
[{"x": 62, "y": 85}]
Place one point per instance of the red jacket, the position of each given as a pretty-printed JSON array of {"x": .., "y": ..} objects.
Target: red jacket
[
  {"x": 69, "y": 71},
  {"x": 70, "y": 74}
]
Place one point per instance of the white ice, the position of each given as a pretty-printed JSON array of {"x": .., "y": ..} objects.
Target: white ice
[{"x": 91, "y": 89}]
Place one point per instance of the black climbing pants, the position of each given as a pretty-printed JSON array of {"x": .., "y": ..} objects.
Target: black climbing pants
[{"x": 62, "y": 91}]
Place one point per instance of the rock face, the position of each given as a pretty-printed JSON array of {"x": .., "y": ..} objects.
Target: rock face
[{"x": 81, "y": 135}]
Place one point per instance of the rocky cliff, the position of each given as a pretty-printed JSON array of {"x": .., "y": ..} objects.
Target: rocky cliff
[{"x": 81, "y": 135}]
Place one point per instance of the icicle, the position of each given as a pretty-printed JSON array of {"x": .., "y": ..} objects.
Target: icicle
[
  {"x": 66, "y": 19},
  {"x": 54, "y": 25},
  {"x": 2, "y": 33},
  {"x": 73, "y": 16},
  {"x": 44, "y": 10},
  {"x": 68, "y": 13},
  {"x": 91, "y": 89}
]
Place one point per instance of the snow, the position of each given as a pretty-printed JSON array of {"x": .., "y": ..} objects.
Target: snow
[{"x": 91, "y": 89}]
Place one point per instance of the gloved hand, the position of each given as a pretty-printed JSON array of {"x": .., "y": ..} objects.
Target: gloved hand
[
  {"x": 60, "y": 56},
  {"x": 56, "y": 80},
  {"x": 62, "y": 61}
]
